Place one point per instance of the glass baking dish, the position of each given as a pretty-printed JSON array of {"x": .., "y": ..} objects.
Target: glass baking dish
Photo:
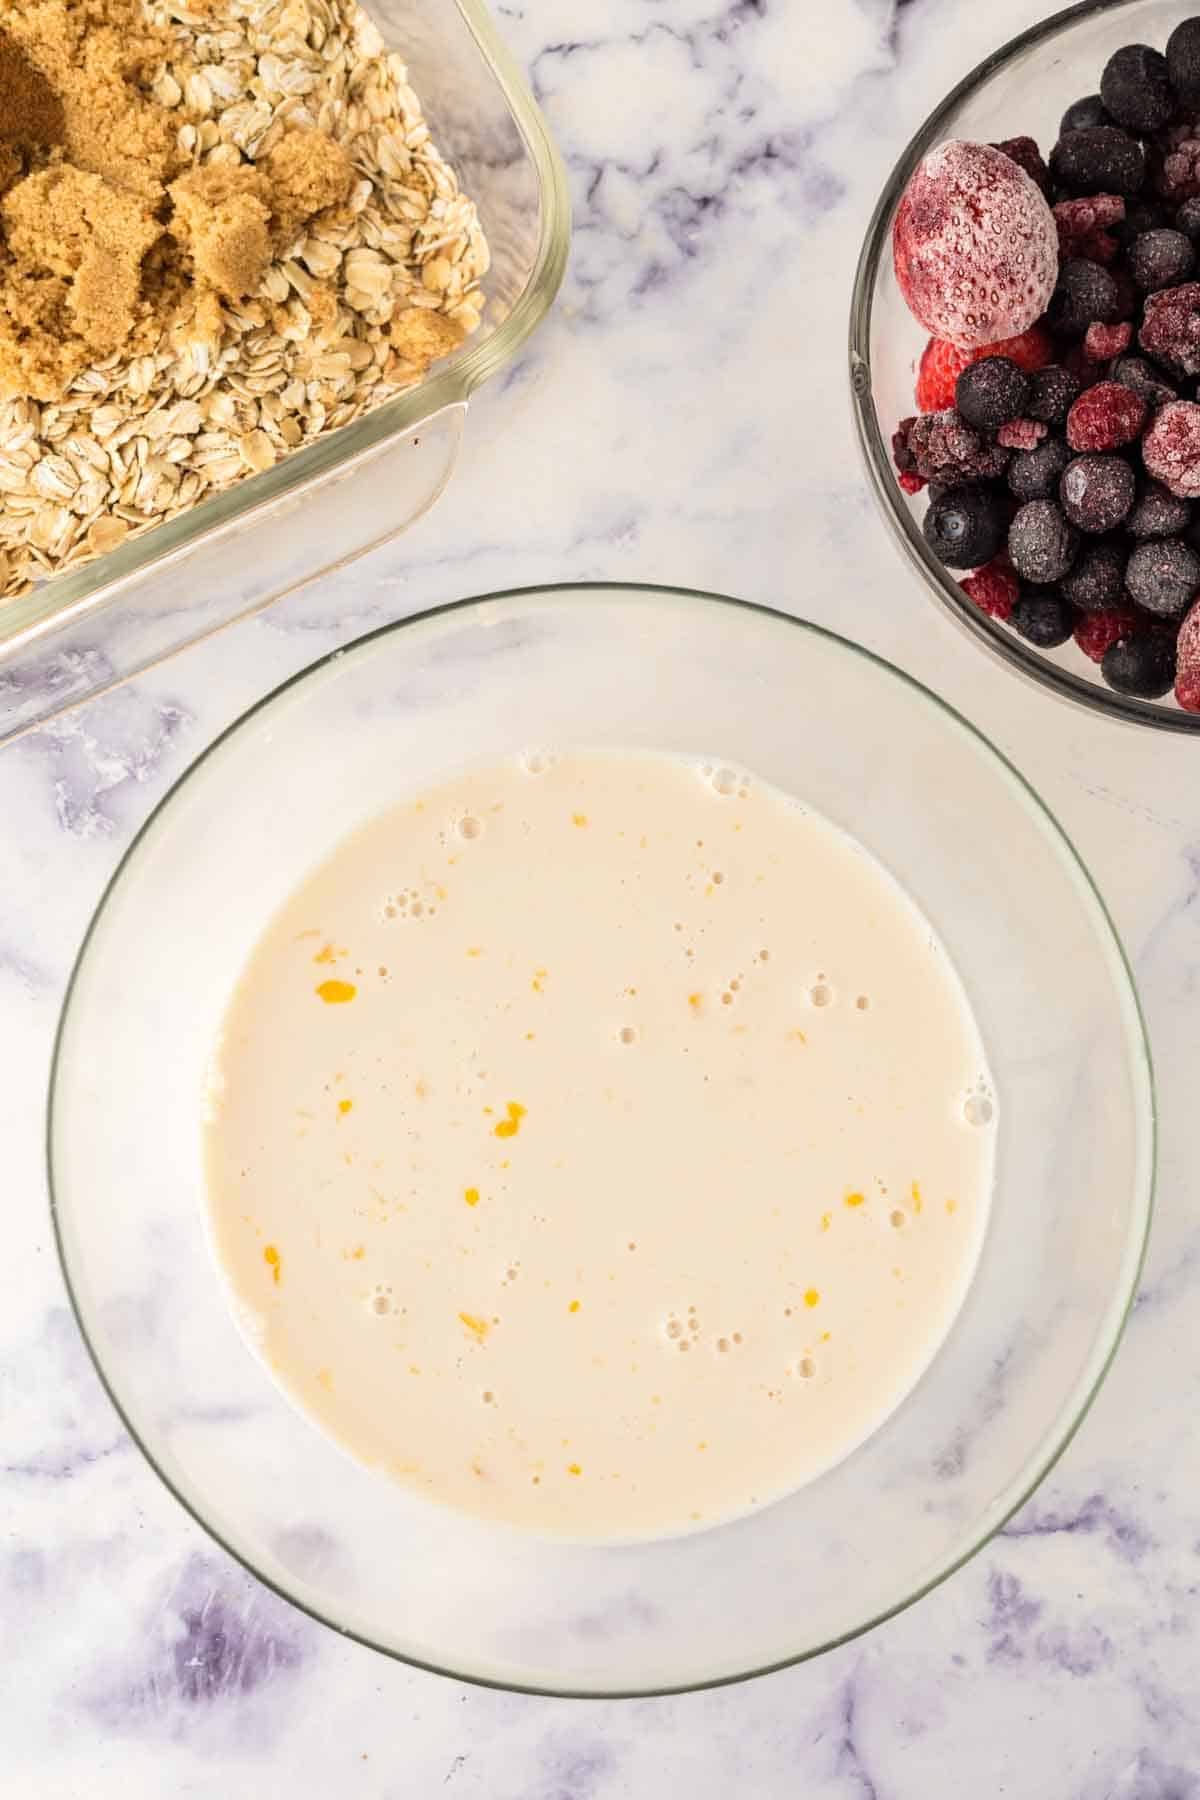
[{"x": 82, "y": 633}]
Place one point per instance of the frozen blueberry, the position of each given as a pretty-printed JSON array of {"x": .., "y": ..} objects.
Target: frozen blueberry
[
  {"x": 1035, "y": 474},
  {"x": 1187, "y": 219},
  {"x": 1136, "y": 88},
  {"x": 1145, "y": 378},
  {"x": 964, "y": 527},
  {"x": 1097, "y": 492},
  {"x": 1042, "y": 617},
  {"x": 1160, "y": 259},
  {"x": 1051, "y": 393},
  {"x": 1081, "y": 114},
  {"x": 1085, "y": 293},
  {"x": 991, "y": 392},
  {"x": 1158, "y": 513},
  {"x": 1100, "y": 159},
  {"x": 1183, "y": 62},
  {"x": 1163, "y": 576},
  {"x": 1143, "y": 665},
  {"x": 1041, "y": 543},
  {"x": 1097, "y": 580}
]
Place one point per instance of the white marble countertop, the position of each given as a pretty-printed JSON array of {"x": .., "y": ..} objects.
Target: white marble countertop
[{"x": 682, "y": 417}]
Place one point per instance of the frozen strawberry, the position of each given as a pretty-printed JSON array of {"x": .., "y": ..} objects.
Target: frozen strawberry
[
  {"x": 975, "y": 245},
  {"x": 1187, "y": 662}
]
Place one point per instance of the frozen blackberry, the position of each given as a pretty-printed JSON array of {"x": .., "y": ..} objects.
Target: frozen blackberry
[
  {"x": 1187, "y": 219},
  {"x": 1082, "y": 114},
  {"x": 1163, "y": 576},
  {"x": 1144, "y": 378},
  {"x": 1097, "y": 580},
  {"x": 943, "y": 447},
  {"x": 1136, "y": 88},
  {"x": 964, "y": 527},
  {"x": 1025, "y": 153},
  {"x": 1035, "y": 474},
  {"x": 1042, "y": 617},
  {"x": 1143, "y": 664},
  {"x": 1158, "y": 513},
  {"x": 991, "y": 392},
  {"x": 1042, "y": 545},
  {"x": 1100, "y": 159},
  {"x": 1183, "y": 62},
  {"x": 1161, "y": 259},
  {"x": 1085, "y": 292},
  {"x": 1052, "y": 392},
  {"x": 1097, "y": 492}
]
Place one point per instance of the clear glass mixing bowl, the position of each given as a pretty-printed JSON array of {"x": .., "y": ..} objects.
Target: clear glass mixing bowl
[
  {"x": 1023, "y": 88},
  {"x": 881, "y": 757}
]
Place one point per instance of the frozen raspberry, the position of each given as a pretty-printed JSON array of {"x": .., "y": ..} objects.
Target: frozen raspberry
[
  {"x": 1105, "y": 417},
  {"x": 1187, "y": 661},
  {"x": 1025, "y": 153},
  {"x": 1171, "y": 328},
  {"x": 1096, "y": 632},
  {"x": 912, "y": 484},
  {"x": 1171, "y": 448},
  {"x": 943, "y": 447},
  {"x": 1102, "y": 342},
  {"x": 1136, "y": 88},
  {"x": 942, "y": 364},
  {"x": 1022, "y": 434},
  {"x": 975, "y": 245},
  {"x": 1083, "y": 226},
  {"x": 1098, "y": 159},
  {"x": 994, "y": 589}
]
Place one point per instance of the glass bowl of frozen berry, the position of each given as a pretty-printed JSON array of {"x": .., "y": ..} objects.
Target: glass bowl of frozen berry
[{"x": 1025, "y": 355}]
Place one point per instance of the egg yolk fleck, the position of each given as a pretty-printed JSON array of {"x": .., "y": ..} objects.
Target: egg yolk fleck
[{"x": 337, "y": 993}]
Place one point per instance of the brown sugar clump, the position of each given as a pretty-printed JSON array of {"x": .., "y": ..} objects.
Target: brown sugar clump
[
  {"x": 79, "y": 243},
  {"x": 420, "y": 336},
  {"x": 308, "y": 172},
  {"x": 31, "y": 113},
  {"x": 223, "y": 220}
]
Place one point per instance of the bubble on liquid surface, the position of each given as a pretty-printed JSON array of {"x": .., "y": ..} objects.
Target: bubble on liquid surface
[
  {"x": 897, "y": 1219},
  {"x": 806, "y": 1368},
  {"x": 863, "y": 1002},
  {"x": 978, "y": 1108},
  {"x": 628, "y": 1034},
  {"x": 821, "y": 994},
  {"x": 380, "y": 1301},
  {"x": 469, "y": 827},
  {"x": 536, "y": 762},
  {"x": 725, "y": 782}
]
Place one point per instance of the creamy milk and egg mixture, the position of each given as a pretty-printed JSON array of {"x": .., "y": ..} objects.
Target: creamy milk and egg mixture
[{"x": 600, "y": 1143}]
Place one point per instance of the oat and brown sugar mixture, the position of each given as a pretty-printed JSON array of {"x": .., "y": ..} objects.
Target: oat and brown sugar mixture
[{"x": 224, "y": 231}]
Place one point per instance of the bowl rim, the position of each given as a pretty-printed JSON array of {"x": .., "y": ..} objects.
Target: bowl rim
[
  {"x": 1003, "y": 645},
  {"x": 1120, "y": 1304}
]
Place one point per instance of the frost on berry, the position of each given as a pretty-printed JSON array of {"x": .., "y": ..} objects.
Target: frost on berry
[
  {"x": 975, "y": 245},
  {"x": 1171, "y": 448}
]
